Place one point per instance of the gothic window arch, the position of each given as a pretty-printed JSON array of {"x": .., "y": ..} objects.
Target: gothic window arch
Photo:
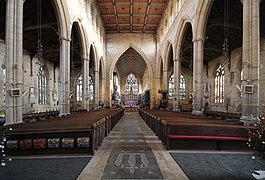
[
  {"x": 219, "y": 84},
  {"x": 182, "y": 87},
  {"x": 42, "y": 87},
  {"x": 131, "y": 84}
]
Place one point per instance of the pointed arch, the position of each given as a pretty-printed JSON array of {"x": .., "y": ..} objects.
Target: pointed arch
[
  {"x": 168, "y": 53},
  {"x": 63, "y": 20},
  {"x": 82, "y": 35},
  {"x": 116, "y": 58},
  {"x": 93, "y": 57},
  {"x": 102, "y": 66},
  {"x": 203, "y": 10},
  {"x": 180, "y": 35}
]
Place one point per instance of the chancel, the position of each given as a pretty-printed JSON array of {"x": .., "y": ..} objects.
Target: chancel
[{"x": 129, "y": 87}]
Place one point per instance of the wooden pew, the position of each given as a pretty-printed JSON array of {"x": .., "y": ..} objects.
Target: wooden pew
[
  {"x": 93, "y": 125},
  {"x": 177, "y": 128}
]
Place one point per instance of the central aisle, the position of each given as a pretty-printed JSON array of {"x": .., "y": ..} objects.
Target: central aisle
[{"x": 132, "y": 151}]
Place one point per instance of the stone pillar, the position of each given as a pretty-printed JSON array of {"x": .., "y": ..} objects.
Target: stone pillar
[
  {"x": 176, "y": 99},
  {"x": 103, "y": 90},
  {"x": 96, "y": 89},
  {"x": 64, "y": 76},
  {"x": 165, "y": 80},
  {"x": 251, "y": 57},
  {"x": 14, "y": 61},
  {"x": 197, "y": 76},
  {"x": 85, "y": 84}
]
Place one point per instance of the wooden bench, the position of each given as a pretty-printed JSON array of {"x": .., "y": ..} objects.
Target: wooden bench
[
  {"x": 173, "y": 128},
  {"x": 93, "y": 125},
  {"x": 218, "y": 139}
]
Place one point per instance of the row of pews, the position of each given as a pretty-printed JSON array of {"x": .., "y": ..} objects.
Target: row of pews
[
  {"x": 79, "y": 133},
  {"x": 223, "y": 115},
  {"x": 34, "y": 117},
  {"x": 186, "y": 131}
]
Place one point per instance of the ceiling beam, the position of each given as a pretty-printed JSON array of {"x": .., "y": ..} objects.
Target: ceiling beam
[
  {"x": 136, "y": 25},
  {"x": 146, "y": 14},
  {"x": 116, "y": 17},
  {"x": 131, "y": 15},
  {"x": 128, "y": 3},
  {"x": 136, "y": 15},
  {"x": 124, "y": 31}
]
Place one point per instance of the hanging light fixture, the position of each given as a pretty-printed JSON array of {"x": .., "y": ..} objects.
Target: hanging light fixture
[
  {"x": 39, "y": 45},
  {"x": 226, "y": 50}
]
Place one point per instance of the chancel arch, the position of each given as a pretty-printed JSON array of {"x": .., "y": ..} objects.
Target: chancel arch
[{"x": 137, "y": 63}]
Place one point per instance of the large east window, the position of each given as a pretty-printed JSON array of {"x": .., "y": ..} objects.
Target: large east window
[
  {"x": 131, "y": 84},
  {"x": 219, "y": 84}
]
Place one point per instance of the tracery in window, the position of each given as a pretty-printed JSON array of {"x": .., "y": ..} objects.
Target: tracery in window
[
  {"x": 182, "y": 87},
  {"x": 79, "y": 86},
  {"x": 131, "y": 84},
  {"x": 219, "y": 84},
  {"x": 42, "y": 87}
]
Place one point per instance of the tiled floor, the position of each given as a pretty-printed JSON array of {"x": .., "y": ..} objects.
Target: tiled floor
[{"x": 132, "y": 151}]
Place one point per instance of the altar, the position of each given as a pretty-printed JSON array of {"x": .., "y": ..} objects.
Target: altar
[{"x": 130, "y": 100}]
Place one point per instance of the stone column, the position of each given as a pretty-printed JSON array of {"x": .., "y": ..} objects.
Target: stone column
[
  {"x": 176, "y": 99},
  {"x": 96, "y": 89},
  {"x": 85, "y": 94},
  {"x": 165, "y": 80},
  {"x": 103, "y": 90},
  {"x": 14, "y": 61},
  {"x": 251, "y": 57},
  {"x": 197, "y": 76},
  {"x": 64, "y": 76}
]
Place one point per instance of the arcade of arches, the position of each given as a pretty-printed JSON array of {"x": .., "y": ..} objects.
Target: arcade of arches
[{"x": 69, "y": 55}]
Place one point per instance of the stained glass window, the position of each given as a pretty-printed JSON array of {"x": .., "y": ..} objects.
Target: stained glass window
[
  {"x": 219, "y": 84},
  {"x": 131, "y": 84},
  {"x": 79, "y": 85},
  {"x": 182, "y": 87}
]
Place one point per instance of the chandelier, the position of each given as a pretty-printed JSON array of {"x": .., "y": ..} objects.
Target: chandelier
[
  {"x": 226, "y": 49},
  {"x": 39, "y": 43}
]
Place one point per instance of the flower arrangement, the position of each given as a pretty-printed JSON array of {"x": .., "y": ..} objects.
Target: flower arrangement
[{"x": 257, "y": 137}]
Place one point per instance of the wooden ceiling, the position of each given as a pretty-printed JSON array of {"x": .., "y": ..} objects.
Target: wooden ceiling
[
  {"x": 131, "y": 62},
  {"x": 131, "y": 16}
]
